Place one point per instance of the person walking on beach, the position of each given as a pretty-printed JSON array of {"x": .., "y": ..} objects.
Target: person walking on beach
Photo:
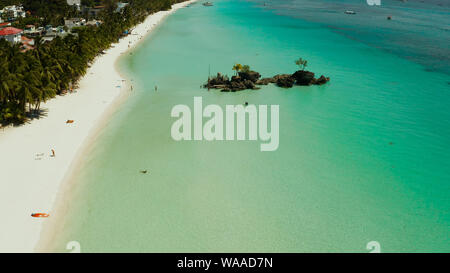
[{"x": 53, "y": 153}]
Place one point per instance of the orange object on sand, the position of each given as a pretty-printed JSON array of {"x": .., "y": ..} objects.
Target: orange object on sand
[
  {"x": 40, "y": 215},
  {"x": 70, "y": 121}
]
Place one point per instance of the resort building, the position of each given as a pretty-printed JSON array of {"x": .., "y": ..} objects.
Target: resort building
[
  {"x": 45, "y": 39},
  {"x": 74, "y": 22},
  {"x": 93, "y": 12},
  {"x": 11, "y": 34},
  {"x": 27, "y": 44},
  {"x": 121, "y": 6},
  {"x": 94, "y": 23},
  {"x": 10, "y": 13},
  {"x": 54, "y": 31},
  {"x": 3, "y": 25},
  {"x": 31, "y": 30},
  {"x": 76, "y": 3}
]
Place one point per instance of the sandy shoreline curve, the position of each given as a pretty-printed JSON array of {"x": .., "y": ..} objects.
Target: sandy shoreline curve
[{"x": 31, "y": 178}]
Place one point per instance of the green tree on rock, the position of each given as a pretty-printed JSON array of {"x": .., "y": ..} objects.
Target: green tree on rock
[
  {"x": 301, "y": 63},
  {"x": 237, "y": 68}
]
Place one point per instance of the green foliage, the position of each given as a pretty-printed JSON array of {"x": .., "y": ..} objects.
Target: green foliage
[
  {"x": 237, "y": 68},
  {"x": 22, "y": 22},
  {"x": 27, "y": 79},
  {"x": 301, "y": 63},
  {"x": 89, "y": 3},
  {"x": 245, "y": 69},
  {"x": 4, "y": 3}
]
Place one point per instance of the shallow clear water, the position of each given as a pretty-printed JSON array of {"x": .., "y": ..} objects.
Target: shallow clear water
[{"x": 363, "y": 158}]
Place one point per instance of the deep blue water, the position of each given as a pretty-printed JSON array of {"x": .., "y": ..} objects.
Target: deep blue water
[{"x": 419, "y": 29}]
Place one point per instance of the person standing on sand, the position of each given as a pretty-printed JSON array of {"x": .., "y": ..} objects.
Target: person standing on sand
[{"x": 53, "y": 153}]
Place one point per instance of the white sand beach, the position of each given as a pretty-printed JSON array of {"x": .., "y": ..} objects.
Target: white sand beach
[{"x": 31, "y": 177}]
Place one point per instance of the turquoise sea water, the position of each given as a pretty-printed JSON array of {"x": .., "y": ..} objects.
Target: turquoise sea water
[
  {"x": 363, "y": 158},
  {"x": 418, "y": 30}
]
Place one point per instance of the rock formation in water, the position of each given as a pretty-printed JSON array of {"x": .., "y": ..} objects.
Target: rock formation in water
[{"x": 251, "y": 80}]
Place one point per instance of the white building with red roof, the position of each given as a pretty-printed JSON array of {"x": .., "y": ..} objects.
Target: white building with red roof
[
  {"x": 11, "y": 34},
  {"x": 3, "y": 25}
]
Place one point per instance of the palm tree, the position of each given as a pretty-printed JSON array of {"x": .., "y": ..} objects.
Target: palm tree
[
  {"x": 237, "y": 68},
  {"x": 27, "y": 79}
]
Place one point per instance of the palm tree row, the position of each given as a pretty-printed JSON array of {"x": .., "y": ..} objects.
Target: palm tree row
[{"x": 30, "y": 78}]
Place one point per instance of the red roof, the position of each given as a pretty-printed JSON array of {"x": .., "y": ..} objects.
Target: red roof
[
  {"x": 25, "y": 39},
  {"x": 5, "y": 24},
  {"x": 9, "y": 31}
]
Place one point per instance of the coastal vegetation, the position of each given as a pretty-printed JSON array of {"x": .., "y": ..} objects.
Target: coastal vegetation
[
  {"x": 301, "y": 63},
  {"x": 241, "y": 68},
  {"x": 245, "y": 78},
  {"x": 237, "y": 68},
  {"x": 53, "y": 68}
]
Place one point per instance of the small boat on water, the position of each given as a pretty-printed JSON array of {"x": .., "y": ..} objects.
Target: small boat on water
[
  {"x": 207, "y": 4},
  {"x": 350, "y": 12},
  {"x": 40, "y": 215}
]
